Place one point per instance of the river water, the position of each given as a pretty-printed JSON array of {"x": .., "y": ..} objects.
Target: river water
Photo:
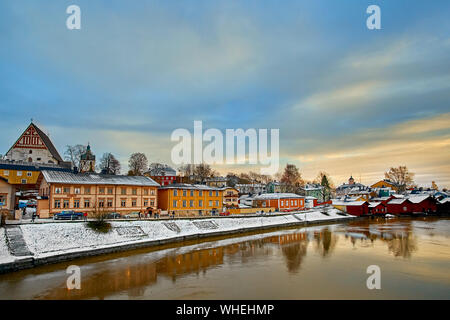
[{"x": 321, "y": 262}]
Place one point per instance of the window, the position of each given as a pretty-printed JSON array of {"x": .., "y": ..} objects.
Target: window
[
  {"x": 184, "y": 203},
  {"x": 210, "y": 203},
  {"x": 282, "y": 203},
  {"x": 29, "y": 174},
  {"x": 101, "y": 203},
  {"x": 184, "y": 193},
  {"x": 200, "y": 203},
  {"x": 66, "y": 204},
  {"x": 134, "y": 191},
  {"x": 292, "y": 202},
  {"x": 133, "y": 202},
  {"x": 123, "y": 203},
  {"x": 152, "y": 202},
  {"x": 57, "y": 204},
  {"x": 145, "y": 202},
  {"x": 87, "y": 190},
  {"x": 145, "y": 192},
  {"x": 192, "y": 193},
  {"x": 123, "y": 190},
  {"x": 19, "y": 173},
  {"x": 217, "y": 193},
  {"x": 3, "y": 200},
  {"x": 66, "y": 189},
  {"x": 110, "y": 203},
  {"x": 217, "y": 203},
  {"x": 6, "y": 172},
  {"x": 77, "y": 190},
  {"x": 200, "y": 193},
  {"x": 76, "y": 203},
  {"x": 210, "y": 193},
  {"x": 175, "y": 192},
  {"x": 87, "y": 203},
  {"x": 101, "y": 190},
  {"x": 152, "y": 192},
  {"x": 24, "y": 181},
  {"x": 191, "y": 203},
  {"x": 110, "y": 190},
  {"x": 174, "y": 203}
]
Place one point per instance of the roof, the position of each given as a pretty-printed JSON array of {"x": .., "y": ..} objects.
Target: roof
[
  {"x": 93, "y": 178},
  {"x": 31, "y": 166},
  {"x": 445, "y": 200},
  {"x": 271, "y": 196},
  {"x": 374, "y": 204},
  {"x": 351, "y": 203},
  {"x": 418, "y": 199},
  {"x": 191, "y": 187},
  {"x": 397, "y": 201}
]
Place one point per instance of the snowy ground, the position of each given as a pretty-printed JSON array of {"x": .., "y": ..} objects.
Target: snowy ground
[
  {"x": 47, "y": 239},
  {"x": 5, "y": 256}
]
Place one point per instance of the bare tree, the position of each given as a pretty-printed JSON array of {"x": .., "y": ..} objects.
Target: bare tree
[
  {"x": 137, "y": 164},
  {"x": 401, "y": 176},
  {"x": 291, "y": 178},
  {"x": 203, "y": 171},
  {"x": 434, "y": 186},
  {"x": 109, "y": 164},
  {"x": 73, "y": 154}
]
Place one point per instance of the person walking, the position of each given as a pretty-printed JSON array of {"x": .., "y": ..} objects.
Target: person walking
[{"x": 173, "y": 214}]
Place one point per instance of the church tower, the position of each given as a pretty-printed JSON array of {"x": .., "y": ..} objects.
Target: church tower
[
  {"x": 87, "y": 161},
  {"x": 351, "y": 180}
]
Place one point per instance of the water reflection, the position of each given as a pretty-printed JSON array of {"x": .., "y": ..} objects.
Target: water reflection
[{"x": 135, "y": 274}]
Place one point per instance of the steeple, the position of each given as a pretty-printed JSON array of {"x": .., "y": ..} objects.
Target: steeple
[{"x": 87, "y": 160}]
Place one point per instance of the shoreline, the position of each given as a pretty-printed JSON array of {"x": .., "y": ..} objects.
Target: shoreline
[{"x": 51, "y": 257}]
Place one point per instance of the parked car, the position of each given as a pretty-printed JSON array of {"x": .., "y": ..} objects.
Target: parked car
[
  {"x": 114, "y": 215},
  {"x": 226, "y": 213},
  {"x": 68, "y": 215},
  {"x": 132, "y": 215}
]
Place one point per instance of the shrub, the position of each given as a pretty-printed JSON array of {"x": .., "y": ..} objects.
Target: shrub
[{"x": 98, "y": 224}]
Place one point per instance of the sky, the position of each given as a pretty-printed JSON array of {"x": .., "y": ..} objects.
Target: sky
[{"x": 346, "y": 100}]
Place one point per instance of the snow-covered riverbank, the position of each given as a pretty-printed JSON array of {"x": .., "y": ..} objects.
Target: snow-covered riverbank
[{"x": 53, "y": 242}]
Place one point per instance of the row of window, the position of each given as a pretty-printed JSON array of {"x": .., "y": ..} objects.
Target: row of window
[
  {"x": 194, "y": 192},
  {"x": 192, "y": 203},
  {"x": 102, "y": 190},
  {"x": 18, "y": 173},
  {"x": 102, "y": 203}
]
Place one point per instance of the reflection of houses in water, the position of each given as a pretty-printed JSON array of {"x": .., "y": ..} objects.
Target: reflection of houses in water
[
  {"x": 399, "y": 237},
  {"x": 133, "y": 278}
]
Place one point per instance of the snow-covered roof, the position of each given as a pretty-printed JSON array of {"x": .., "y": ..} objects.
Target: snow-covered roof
[
  {"x": 418, "y": 198},
  {"x": 191, "y": 187},
  {"x": 445, "y": 200},
  {"x": 397, "y": 201},
  {"x": 351, "y": 203},
  {"x": 374, "y": 204},
  {"x": 94, "y": 178},
  {"x": 272, "y": 196}
]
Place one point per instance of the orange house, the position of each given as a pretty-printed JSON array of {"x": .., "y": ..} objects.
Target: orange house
[
  {"x": 280, "y": 201},
  {"x": 85, "y": 192},
  {"x": 189, "y": 198}
]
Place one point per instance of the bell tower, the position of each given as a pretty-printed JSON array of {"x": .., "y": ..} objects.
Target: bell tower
[{"x": 87, "y": 161}]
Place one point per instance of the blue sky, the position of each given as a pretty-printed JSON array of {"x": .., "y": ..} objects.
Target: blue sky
[{"x": 346, "y": 99}]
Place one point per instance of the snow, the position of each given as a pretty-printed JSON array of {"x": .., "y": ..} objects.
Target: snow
[
  {"x": 418, "y": 198},
  {"x": 47, "y": 239},
  {"x": 5, "y": 256}
]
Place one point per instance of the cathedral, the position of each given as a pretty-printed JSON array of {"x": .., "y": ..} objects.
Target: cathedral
[{"x": 34, "y": 146}]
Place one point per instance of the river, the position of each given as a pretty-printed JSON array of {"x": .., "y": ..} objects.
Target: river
[{"x": 317, "y": 262}]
